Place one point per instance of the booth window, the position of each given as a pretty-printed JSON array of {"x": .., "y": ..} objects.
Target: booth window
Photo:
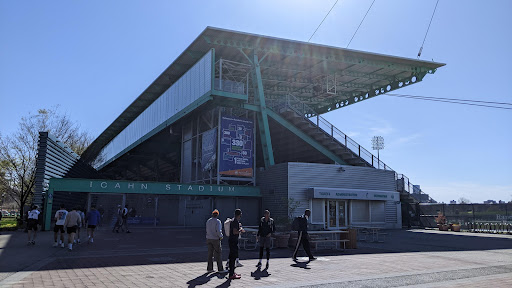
[
  {"x": 378, "y": 211},
  {"x": 317, "y": 211},
  {"x": 360, "y": 211}
]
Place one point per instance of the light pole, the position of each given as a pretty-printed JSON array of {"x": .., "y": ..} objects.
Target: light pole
[{"x": 378, "y": 144}]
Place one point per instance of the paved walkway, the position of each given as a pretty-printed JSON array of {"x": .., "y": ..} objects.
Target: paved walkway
[{"x": 175, "y": 258}]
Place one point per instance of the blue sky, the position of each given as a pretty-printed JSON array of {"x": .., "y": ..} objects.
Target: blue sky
[{"x": 93, "y": 58}]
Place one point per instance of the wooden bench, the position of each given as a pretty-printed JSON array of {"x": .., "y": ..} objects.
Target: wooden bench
[{"x": 316, "y": 241}]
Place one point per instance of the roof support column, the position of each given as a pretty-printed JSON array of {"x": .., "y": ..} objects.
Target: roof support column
[{"x": 264, "y": 130}]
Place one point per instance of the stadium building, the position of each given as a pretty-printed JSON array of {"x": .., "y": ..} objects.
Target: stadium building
[{"x": 236, "y": 122}]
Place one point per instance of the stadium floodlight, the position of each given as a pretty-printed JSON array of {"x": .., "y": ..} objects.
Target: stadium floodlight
[{"x": 378, "y": 144}]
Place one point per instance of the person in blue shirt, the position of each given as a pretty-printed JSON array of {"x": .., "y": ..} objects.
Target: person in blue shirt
[{"x": 92, "y": 219}]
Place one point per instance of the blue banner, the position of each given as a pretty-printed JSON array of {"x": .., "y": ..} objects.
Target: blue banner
[
  {"x": 236, "y": 147},
  {"x": 209, "y": 149}
]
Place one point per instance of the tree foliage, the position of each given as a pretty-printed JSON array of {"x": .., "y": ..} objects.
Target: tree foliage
[
  {"x": 18, "y": 152},
  {"x": 463, "y": 200}
]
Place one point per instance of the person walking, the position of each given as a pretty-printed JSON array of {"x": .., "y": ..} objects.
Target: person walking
[
  {"x": 80, "y": 211},
  {"x": 303, "y": 236},
  {"x": 124, "y": 216},
  {"x": 60, "y": 217},
  {"x": 266, "y": 230},
  {"x": 213, "y": 240},
  {"x": 119, "y": 219},
  {"x": 93, "y": 219},
  {"x": 71, "y": 223},
  {"x": 32, "y": 221},
  {"x": 235, "y": 230}
]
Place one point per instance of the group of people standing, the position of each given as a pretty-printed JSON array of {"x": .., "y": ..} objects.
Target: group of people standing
[{"x": 233, "y": 229}]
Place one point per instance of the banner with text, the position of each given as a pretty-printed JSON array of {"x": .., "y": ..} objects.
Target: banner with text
[
  {"x": 236, "y": 147},
  {"x": 209, "y": 149}
]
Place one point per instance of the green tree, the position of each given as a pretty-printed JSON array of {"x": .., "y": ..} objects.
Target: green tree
[{"x": 18, "y": 152}]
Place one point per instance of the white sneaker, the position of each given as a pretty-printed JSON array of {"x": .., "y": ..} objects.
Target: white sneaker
[
  {"x": 78, "y": 241},
  {"x": 62, "y": 245},
  {"x": 92, "y": 240},
  {"x": 238, "y": 264},
  {"x": 55, "y": 244}
]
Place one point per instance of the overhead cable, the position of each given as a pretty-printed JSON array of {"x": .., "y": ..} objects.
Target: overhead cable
[
  {"x": 360, "y": 24},
  {"x": 421, "y": 48},
  {"x": 450, "y": 101},
  {"x": 323, "y": 20}
]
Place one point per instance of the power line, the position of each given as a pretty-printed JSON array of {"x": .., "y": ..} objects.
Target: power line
[
  {"x": 421, "y": 48},
  {"x": 323, "y": 20},
  {"x": 360, "y": 24},
  {"x": 447, "y": 101},
  {"x": 453, "y": 99}
]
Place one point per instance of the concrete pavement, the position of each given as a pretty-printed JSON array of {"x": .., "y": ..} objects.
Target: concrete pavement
[{"x": 176, "y": 258}]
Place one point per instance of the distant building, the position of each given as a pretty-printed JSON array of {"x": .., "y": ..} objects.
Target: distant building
[
  {"x": 489, "y": 202},
  {"x": 421, "y": 196},
  {"x": 453, "y": 202},
  {"x": 501, "y": 202}
]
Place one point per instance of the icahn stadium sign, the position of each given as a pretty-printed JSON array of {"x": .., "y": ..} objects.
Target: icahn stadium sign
[{"x": 111, "y": 186}]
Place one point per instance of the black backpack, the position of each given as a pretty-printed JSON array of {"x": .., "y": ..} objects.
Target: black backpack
[{"x": 296, "y": 224}]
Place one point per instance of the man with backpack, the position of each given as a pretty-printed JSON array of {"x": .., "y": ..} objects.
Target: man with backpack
[
  {"x": 300, "y": 224},
  {"x": 266, "y": 229},
  {"x": 233, "y": 232}
]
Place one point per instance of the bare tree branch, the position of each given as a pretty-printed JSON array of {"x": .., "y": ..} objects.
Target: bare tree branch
[{"x": 18, "y": 152}]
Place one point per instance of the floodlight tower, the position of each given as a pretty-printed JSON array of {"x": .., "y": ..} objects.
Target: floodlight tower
[{"x": 378, "y": 144}]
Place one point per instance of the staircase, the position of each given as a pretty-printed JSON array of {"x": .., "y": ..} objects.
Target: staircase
[{"x": 318, "y": 128}]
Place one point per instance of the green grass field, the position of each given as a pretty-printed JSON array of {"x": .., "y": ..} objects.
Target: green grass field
[{"x": 8, "y": 222}]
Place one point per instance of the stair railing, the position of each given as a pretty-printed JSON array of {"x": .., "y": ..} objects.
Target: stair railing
[
  {"x": 295, "y": 104},
  {"x": 291, "y": 102}
]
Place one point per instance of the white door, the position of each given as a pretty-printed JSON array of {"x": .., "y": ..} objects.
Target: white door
[{"x": 335, "y": 214}]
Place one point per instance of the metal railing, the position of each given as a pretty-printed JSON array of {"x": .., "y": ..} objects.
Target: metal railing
[
  {"x": 309, "y": 113},
  {"x": 291, "y": 102}
]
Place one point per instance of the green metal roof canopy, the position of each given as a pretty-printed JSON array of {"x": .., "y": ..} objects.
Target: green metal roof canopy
[{"x": 324, "y": 77}]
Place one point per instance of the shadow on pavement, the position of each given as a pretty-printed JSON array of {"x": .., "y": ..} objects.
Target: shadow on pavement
[
  {"x": 303, "y": 265},
  {"x": 258, "y": 274},
  {"x": 180, "y": 245},
  {"x": 204, "y": 278}
]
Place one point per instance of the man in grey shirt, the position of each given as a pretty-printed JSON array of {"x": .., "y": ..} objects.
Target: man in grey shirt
[{"x": 213, "y": 239}]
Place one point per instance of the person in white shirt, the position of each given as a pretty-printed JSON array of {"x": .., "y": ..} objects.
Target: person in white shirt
[
  {"x": 60, "y": 217},
  {"x": 33, "y": 219}
]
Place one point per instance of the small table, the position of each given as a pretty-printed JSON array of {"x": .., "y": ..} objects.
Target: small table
[
  {"x": 334, "y": 235},
  {"x": 374, "y": 231}
]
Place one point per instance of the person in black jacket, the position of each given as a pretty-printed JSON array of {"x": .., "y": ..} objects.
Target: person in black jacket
[
  {"x": 266, "y": 229},
  {"x": 303, "y": 236}
]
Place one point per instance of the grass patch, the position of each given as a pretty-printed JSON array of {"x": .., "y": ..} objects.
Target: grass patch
[{"x": 8, "y": 222}]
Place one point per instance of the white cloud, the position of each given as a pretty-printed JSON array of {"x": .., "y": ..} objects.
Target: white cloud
[
  {"x": 385, "y": 128},
  {"x": 405, "y": 139},
  {"x": 476, "y": 192}
]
